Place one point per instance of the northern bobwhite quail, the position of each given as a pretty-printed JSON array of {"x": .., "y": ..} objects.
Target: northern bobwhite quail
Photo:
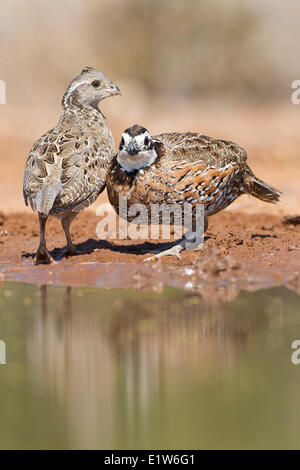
[
  {"x": 180, "y": 167},
  {"x": 66, "y": 168}
]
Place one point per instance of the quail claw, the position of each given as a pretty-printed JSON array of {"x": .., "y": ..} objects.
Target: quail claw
[
  {"x": 43, "y": 256},
  {"x": 174, "y": 251}
]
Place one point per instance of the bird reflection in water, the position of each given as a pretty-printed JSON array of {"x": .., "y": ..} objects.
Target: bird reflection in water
[{"x": 114, "y": 358}]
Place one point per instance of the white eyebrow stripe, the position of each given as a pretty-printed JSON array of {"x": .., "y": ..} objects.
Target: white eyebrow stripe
[
  {"x": 139, "y": 139},
  {"x": 126, "y": 138}
]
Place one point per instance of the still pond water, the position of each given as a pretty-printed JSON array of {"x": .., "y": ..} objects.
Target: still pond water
[{"x": 119, "y": 369}]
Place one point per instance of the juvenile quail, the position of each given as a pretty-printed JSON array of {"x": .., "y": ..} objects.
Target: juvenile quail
[
  {"x": 66, "y": 168},
  {"x": 175, "y": 168}
]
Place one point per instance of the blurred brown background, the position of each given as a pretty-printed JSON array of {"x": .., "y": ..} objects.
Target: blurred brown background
[{"x": 220, "y": 68}]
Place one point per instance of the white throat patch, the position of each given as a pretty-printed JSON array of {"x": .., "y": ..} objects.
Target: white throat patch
[{"x": 136, "y": 162}]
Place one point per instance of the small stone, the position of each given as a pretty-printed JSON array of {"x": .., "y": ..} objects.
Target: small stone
[
  {"x": 293, "y": 247},
  {"x": 268, "y": 227}
]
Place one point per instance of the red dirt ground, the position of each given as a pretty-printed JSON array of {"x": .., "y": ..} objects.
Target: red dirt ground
[{"x": 240, "y": 251}]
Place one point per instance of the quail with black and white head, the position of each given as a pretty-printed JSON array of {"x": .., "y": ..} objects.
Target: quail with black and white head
[
  {"x": 178, "y": 168},
  {"x": 66, "y": 168}
]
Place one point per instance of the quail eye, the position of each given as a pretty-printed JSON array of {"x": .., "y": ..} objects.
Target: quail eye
[
  {"x": 96, "y": 83},
  {"x": 146, "y": 141}
]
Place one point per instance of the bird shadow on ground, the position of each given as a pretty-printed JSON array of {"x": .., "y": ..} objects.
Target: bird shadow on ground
[{"x": 91, "y": 245}]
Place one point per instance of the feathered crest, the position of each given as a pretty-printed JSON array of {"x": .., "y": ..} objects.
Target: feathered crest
[{"x": 87, "y": 69}]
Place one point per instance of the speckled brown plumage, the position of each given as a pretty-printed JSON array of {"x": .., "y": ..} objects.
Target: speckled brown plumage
[
  {"x": 77, "y": 153},
  {"x": 190, "y": 168}
]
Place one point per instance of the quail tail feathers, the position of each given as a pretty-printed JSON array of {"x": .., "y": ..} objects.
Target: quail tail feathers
[
  {"x": 45, "y": 197},
  {"x": 260, "y": 189}
]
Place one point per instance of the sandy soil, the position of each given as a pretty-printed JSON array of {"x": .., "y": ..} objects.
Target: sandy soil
[{"x": 241, "y": 250}]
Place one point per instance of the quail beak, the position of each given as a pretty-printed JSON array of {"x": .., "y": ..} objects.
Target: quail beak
[
  {"x": 132, "y": 149},
  {"x": 114, "y": 90}
]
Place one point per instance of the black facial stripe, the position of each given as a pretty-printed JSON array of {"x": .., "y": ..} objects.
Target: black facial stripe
[{"x": 122, "y": 143}]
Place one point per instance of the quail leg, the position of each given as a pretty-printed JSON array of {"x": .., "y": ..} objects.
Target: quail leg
[
  {"x": 175, "y": 250},
  {"x": 181, "y": 245},
  {"x": 70, "y": 248},
  {"x": 42, "y": 255}
]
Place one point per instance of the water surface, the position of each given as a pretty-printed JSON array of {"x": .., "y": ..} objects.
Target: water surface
[{"x": 117, "y": 368}]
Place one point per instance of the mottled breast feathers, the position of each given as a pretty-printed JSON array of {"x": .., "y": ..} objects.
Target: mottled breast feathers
[{"x": 77, "y": 156}]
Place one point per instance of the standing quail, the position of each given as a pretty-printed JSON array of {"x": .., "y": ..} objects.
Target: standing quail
[
  {"x": 66, "y": 168},
  {"x": 179, "y": 168}
]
